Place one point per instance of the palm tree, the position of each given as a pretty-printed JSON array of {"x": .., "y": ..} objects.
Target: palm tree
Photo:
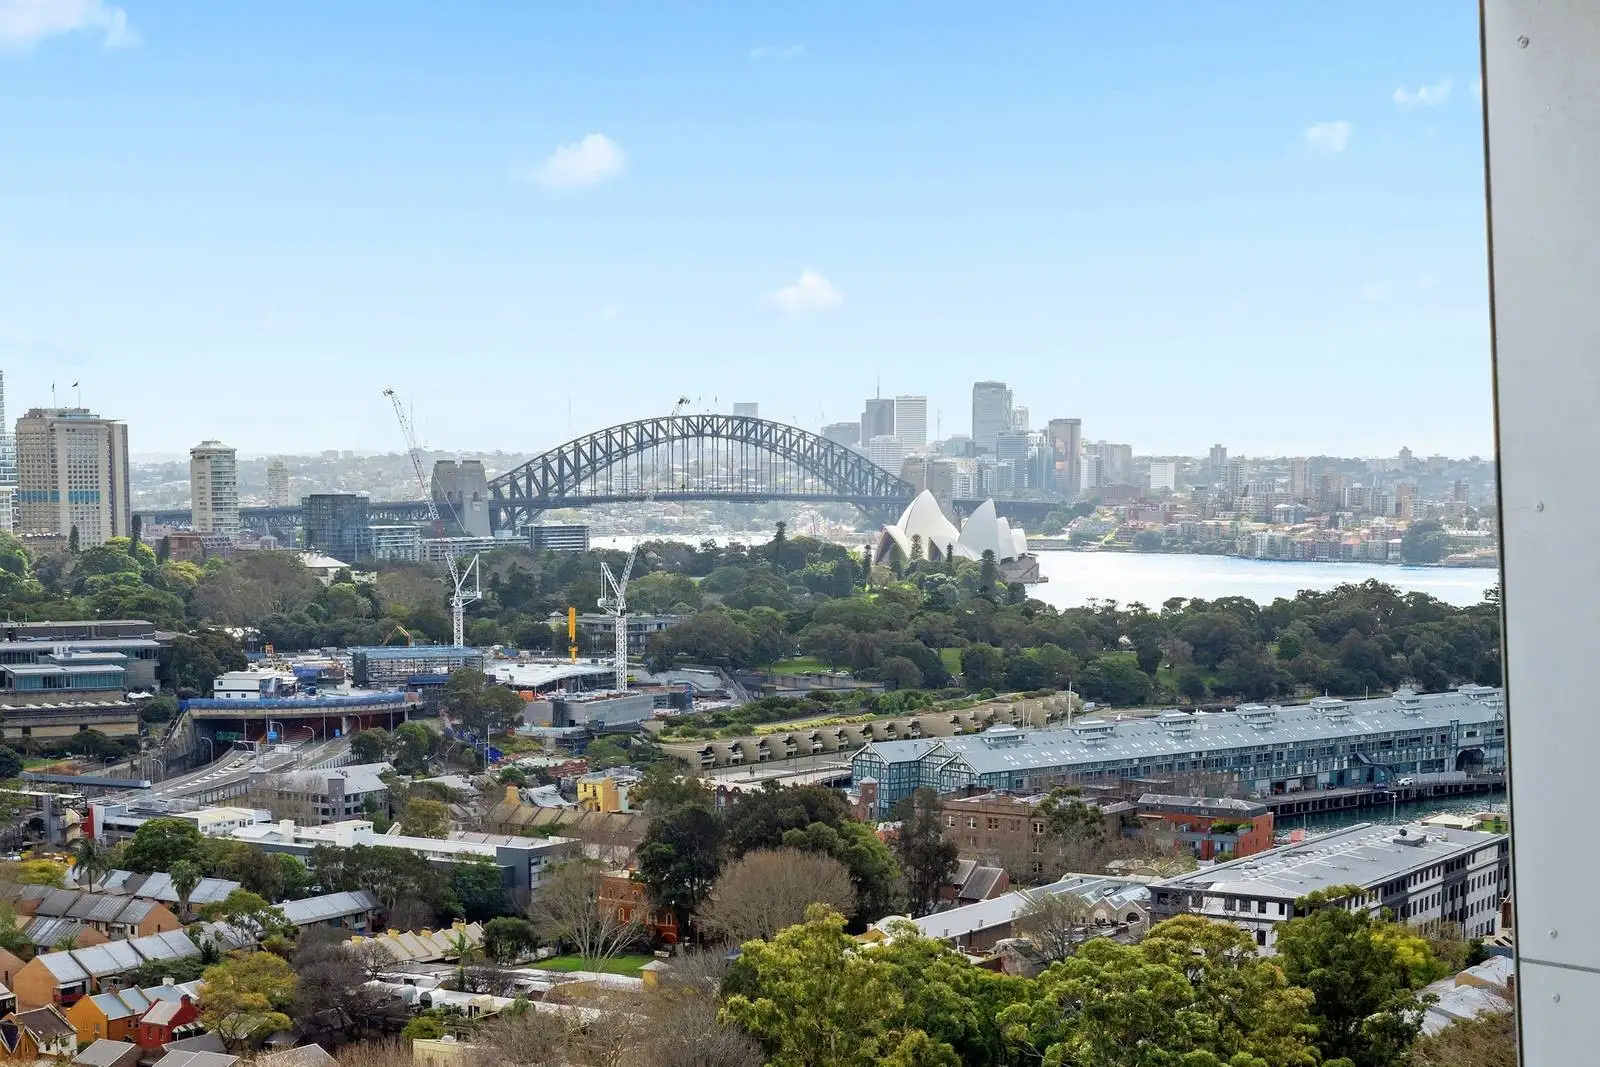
[
  {"x": 90, "y": 858},
  {"x": 466, "y": 954},
  {"x": 185, "y": 876}
]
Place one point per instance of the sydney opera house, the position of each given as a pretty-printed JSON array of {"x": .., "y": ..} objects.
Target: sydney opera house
[{"x": 923, "y": 530}]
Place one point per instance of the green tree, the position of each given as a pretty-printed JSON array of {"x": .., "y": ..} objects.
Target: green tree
[
  {"x": 989, "y": 573},
  {"x": 185, "y": 876},
  {"x": 1192, "y": 998},
  {"x": 90, "y": 860},
  {"x": 422, "y": 1028},
  {"x": 780, "y": 540},
  {"x": 1424, "y": 542},
  {"x": 256, "y": 870},
  {"x": 248, "y": 997},
  {"x": 1366, "y": 1008},
  {"x": 10, "y": 762},
  {"x": 427, "y": 818},
  {"x": 159, "y": 843},
  {"x": 480, "y": 705},
  {"x": 926, "y": 855},
  {"x": 479, "y": 886},
  {"x": 72, "y": 539},
  {"x": 814, "y": 1000},
  {"x": 982, "y": 667},
  {"x": 898, "y": 672},
  {"x": 507, "y": 939},
  {"x": 12, "y": 939},
  {"x": 370, "y": 745},
  {"x": 681, "y": 856}
]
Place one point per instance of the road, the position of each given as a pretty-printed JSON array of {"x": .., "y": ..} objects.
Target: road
[{"x": 230, "y": 776}]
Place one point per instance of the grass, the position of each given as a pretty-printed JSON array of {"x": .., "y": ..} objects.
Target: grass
[
  {"x": 951, "y": 658},
  {"x": 800, "y": 665},
  {"x": 625, "y": 965}
]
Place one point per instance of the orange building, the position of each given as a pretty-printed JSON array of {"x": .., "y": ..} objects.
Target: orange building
[
  {"x": 42, "y": 1033},
  {"x": 631, "y": 900},
  {"x": 1210, "y": 827}
]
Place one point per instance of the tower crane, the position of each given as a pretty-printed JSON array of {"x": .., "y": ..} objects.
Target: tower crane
[
  {"x": 614, "y": 599},
  {"x": 463, "y": 593}
]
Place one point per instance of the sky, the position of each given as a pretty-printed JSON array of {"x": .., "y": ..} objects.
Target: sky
[{"x": 1259, "y": 224}]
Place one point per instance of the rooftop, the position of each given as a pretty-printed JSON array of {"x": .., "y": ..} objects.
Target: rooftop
[
  {"x": 539, "y": 675},
  {"x": 1002, "y": 749},
  {"x": 988, "y": 914},
  {"x": 310, "y": 910},
  {"x": 1364, "y": 855},
  {"x": 402, "y": 652}
]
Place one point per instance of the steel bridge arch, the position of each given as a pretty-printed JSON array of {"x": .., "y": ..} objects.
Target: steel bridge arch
[{"x": 557, "y": 476}]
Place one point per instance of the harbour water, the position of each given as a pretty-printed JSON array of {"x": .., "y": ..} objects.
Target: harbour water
[
  {"x": 1075, "y": 578},
  {"x": 1393, "y": 814}
]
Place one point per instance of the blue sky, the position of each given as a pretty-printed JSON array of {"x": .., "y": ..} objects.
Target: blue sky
[{"x": 1255, "y": 223}]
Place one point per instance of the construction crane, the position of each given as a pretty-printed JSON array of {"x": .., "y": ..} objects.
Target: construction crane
[
  {"x": 614, "y": 601},
  {"x": 463, "y": 593}
]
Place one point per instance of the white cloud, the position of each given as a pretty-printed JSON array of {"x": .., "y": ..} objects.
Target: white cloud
[
  {"x": 1328, "y": 137},
  {"x": 24, "y": 23},
  {"x": 1424, "y": 95},
  {"x": 774, "y": 51},
  {"x": 811, "y": 293},
  {"x": 573, "y": 166}
]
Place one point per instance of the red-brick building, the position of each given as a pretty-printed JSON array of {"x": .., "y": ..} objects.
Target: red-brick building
[{"x": 1210, "y": 827}]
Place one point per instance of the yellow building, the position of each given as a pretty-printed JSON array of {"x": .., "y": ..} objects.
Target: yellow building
[
  {"x": 442, "y": 1052},
  {"x": 603, "y": 792}
]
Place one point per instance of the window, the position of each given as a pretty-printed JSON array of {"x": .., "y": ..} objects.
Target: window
[{"x": 972, "y": 822}]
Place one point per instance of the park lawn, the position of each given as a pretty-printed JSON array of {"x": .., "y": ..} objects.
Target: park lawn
[
  {"x": 625, "y": 965},
  {"x": 800, "y": 665},
  {"x": 951, "y": 658}
]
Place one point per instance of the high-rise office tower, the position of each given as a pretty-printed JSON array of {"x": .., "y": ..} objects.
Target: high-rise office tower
[
  {"x": 1019, "y": 418},
  {"x": 72, "y": 472},
  {"x": 1013, "y": 449},
  {"x": 877, "y": 418},
  {"x": 8, "y": 467},
  {"x": 1300, "y": 479},
  {"x": 844, "y": 433},
  {"x": 748, "y": 411},
  {"x": 888, "y": 452},
  {"x": 214, "y": 488},
  {"x": 911, "y": 420},
  {"x": 1163, "y": 475},
  {"x": 1066, "y": 453},
  {"x": 991, "y": 413},
  {"x": 277, "y": 484}
]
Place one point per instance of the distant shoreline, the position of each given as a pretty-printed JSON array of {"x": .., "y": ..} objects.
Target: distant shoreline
[{"x": 1035, "y": 546}]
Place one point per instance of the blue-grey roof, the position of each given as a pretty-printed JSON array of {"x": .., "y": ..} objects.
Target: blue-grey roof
[
  {"x": 381, "y": 652},
  {"x": 1002, "y": 910},
  {"x": 329, "y": 906},
  {"x": 1003, "y": 749},
  {"x": 1364, "y": 855}
]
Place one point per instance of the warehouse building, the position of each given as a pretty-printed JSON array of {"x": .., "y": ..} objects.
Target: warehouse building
[{"x": 1263, "y": 750}]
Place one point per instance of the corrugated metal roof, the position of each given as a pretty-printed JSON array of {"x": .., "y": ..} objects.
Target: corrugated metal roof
[
  {"x": 46, "y": 932},
  {"x": 310, "y": 910},
  {"x": 63, "y": 967},
  {"x": 171, "y": 945},
  {"x": 1092, "y": 741},
  {"x": 113, "y": 1006}
]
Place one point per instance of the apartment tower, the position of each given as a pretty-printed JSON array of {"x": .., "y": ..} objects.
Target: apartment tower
[
  {"x": 72, "y": 473},
  {"x": 214, "y": 488}
]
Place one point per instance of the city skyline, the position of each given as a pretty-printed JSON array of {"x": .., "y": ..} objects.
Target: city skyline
[{"x": 448, "y": 202}]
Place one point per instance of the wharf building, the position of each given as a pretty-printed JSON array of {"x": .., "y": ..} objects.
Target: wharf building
[
  {"x": 1329, "y": 743},
  {"x": 1418, "y": 874}
]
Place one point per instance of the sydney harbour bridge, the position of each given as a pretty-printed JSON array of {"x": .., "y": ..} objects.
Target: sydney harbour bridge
[{"x": 735, "y": 458}]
